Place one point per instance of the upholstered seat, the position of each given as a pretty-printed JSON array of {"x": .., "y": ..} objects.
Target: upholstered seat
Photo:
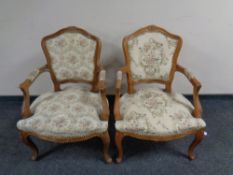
[
  {"x": 151, "y": 111},
  {"x": 68, "y": 113}
]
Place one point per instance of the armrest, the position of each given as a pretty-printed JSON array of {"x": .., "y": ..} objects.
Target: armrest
[
  {"x": 102, "y": 90},
  {"x": 117, "y": 113},
  {"x": 196, "y": 88},
  {"x": 24, "y": 86}
]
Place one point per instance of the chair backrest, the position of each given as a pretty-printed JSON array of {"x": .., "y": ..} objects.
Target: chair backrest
[
  {"x": 72, "y": 56},
  {"x": 151, "y": 55}
]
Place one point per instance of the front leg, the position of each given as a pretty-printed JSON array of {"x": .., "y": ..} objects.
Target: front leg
[
  {"x": 118, "y": 140},
  {"x": 106, "y": 142},
  {"x": 198, "y": 138},
  {"x": 27, "y": 141}
]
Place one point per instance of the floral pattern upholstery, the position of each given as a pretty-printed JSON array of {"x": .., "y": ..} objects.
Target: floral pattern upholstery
[
  {"x": 151, "y": 111},
  {"x": 72, "y": 56},
  {"x": 151, "y": 56},
  {"x": 69, "y": 113}
]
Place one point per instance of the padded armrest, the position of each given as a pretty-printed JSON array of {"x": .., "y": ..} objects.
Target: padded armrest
[
  {"x": 102, "y": 89},
  {"x": 188, "y": 74},
  {"x": 102, "y": 75},
  {"x": 24, "y": 86},
  {"x": 117, "y": 114},
  {"x": 119, "y": 75},
  {"x": 33, "y": 75},
  {"x": 195, "y": 82},
  {"x": 118, "y": 80}
]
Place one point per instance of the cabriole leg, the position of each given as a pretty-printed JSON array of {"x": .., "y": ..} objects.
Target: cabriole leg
[
  {"x": 118, "y": 140},
  {"x": 27, "y": 141},
  {"x": 198, "y": 138},
  {"x": 106, "y": 142}
]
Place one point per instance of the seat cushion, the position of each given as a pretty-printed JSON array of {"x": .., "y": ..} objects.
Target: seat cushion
[
  {"x": 68, "y": 113},
  {"x": 151, "y": 111}
]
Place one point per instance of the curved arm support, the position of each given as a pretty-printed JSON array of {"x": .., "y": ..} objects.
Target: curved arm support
[
  {"x": 25, "y": 85},
  {"x": 102, "y": 90},
  {"x": 117, "y": 113},
  {"x": 197, "y": 112}
]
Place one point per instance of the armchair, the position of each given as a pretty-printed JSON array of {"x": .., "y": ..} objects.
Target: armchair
[
  {"x": 69, "y": 114},
  {"x": 148, "y": 113}
]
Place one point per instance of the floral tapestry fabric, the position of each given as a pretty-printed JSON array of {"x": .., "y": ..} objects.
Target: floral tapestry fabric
[
  {"x": 151, "y": 111},
  {"x": 151, "y": 56},
  {"x": 72, "y": 56},
  {"x": 68, "y": 113}
]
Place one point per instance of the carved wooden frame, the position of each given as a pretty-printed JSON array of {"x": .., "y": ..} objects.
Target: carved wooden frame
[
  {"x": 168, "y": 88},
  {"x": 98, "y": 85}
]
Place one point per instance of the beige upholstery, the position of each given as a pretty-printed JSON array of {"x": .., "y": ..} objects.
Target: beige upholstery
[
  {"x": 68, "y": 113},
  {"x": 33, "y": 75},
  {"x": 151, "y": 111},
  {"x": 151, "y": 55},
  {"x": 72, "y": 56}
]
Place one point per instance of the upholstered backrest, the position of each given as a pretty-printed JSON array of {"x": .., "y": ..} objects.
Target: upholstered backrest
[
  {"x": 152, "y": 53},
  {"x": 71, "y": 54}
]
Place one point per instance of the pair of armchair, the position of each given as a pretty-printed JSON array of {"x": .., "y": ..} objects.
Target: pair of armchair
[{"x": 77, "y": 114}]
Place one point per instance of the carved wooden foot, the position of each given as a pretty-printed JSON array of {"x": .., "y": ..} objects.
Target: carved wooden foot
[
  {"x": 118, "y": 140},
  {"x": 106, "y": 142},
  {"x": 198, "y": 138},
  {"x": 26, "y": 140}
]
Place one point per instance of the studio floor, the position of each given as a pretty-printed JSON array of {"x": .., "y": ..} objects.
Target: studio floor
[{"x": 214, "y": 154}]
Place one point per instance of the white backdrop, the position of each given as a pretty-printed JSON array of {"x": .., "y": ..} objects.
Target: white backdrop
[{"x": 206, "y": 28}]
